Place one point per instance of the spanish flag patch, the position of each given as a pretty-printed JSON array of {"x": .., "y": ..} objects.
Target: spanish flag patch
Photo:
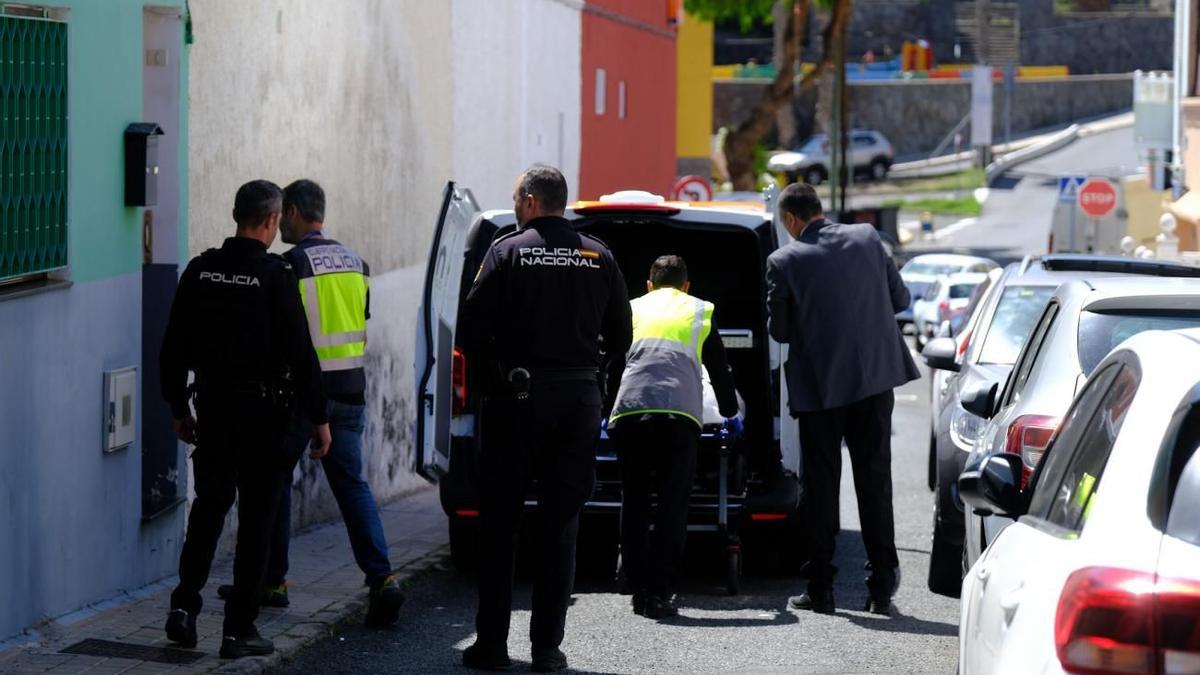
[{"x": 591, "y": 255}]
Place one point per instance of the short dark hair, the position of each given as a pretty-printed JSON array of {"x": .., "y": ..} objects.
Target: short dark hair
[
  {"x": 255, "y": 201},
  {"x": 308, "y": 198},
  {"x": 668, "y": 270},
  {"x": 548, "y": 185},
  {"x": 801, "y": 200}
]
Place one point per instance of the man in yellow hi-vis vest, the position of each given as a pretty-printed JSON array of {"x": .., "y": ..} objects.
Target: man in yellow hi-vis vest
[
  {"x": 656, "y": 422},
  {"x": 334, "y": 289}
]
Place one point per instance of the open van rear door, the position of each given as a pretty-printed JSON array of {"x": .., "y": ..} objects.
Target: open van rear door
[{"x": 436, "y": 321}]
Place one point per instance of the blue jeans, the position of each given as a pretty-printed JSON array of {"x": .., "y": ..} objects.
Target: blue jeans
[{"x": 343, "y": 469}]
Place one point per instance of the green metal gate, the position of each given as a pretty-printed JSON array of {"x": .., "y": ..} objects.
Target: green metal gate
[{"x": 33, "y": 146}]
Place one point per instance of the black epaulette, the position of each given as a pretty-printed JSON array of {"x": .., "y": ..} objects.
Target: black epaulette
[
  {"x": 598, "y": 240},
  {"x": 502, "y": 237},
  {"x": 280, "y": 260}
]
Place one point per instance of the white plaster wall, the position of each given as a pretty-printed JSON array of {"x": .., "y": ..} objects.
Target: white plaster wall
[
  {"x": 353, "y": 94},
  {"x": 516, "y": 92}
]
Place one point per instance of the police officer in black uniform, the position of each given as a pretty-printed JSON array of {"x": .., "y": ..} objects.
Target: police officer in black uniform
[
  {"x": 546, "y": 301},
  {"x": 237, "y": 323}
]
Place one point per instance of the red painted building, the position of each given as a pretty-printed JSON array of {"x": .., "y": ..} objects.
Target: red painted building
[{"x": 628, "y": 84}]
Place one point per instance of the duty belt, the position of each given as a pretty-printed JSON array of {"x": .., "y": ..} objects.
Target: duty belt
[{"x": 521, "y": 379}]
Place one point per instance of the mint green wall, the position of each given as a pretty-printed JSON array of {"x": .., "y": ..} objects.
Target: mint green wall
[{"x": 104, "y": 55}]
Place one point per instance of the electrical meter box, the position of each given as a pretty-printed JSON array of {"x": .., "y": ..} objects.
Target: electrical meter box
[{"x": 120, "y": 408}]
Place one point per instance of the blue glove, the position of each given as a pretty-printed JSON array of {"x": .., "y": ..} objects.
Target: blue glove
[{"x": 734, "y": 427}]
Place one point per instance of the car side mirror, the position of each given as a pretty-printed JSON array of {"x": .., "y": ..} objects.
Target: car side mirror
[
  {"x": 940, "y": 353},
  {"x": 980, "y": 399},
  {"x": 994, "y": 486}
]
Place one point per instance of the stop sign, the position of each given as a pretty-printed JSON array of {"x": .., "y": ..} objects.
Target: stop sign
[{"x": 1097, "y": 197}]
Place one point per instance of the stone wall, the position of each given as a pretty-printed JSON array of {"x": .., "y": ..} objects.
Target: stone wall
[
  {"x": 916, "y": 115},
  {"x": 1096, "y": 42}
]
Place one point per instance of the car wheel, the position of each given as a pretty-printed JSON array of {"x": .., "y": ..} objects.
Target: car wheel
[
  {"x": 879, "y": 169},
  {"x": 464, "y": 546},
  {"x": 814, "y": 175},
  {"x": 931, "y": 477},
  {"x": 945, "y": 559}
]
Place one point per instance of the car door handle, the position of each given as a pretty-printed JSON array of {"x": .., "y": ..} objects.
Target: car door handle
[
  {"x": 983, "y": 573},
  {"x": 1010, "y": 602}
]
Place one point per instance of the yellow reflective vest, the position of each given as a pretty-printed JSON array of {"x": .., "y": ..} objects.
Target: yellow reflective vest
[
  {"x": 663, "y": 367},
  {"x": 334, "y": 286}
]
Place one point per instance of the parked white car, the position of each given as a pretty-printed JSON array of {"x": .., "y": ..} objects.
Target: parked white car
[
  {"x": 1100, "y": 573},
  {"x": 942, "y": 299},
  {"x": 869, "y": 151},
  {"x": 922, "y": 270}
]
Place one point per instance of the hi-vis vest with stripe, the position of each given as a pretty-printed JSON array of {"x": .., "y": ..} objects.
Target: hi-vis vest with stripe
[
  {"x": 333, "y": 287},
  {"x": 663, "y": 366}
]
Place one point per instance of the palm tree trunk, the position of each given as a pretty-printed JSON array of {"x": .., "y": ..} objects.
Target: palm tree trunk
[{"x": 740, "y": 142}]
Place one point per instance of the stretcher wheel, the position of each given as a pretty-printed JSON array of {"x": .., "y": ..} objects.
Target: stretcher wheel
[{"x": 733, "y": 570}]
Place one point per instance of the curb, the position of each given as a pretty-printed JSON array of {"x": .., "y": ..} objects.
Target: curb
[{"x": 347, "y": 612}]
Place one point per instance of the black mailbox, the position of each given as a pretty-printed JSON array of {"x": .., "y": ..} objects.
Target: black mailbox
[{"x": 141, "y": 163}]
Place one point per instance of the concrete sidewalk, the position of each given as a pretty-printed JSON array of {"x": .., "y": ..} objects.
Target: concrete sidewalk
[{"x": 325, "y": 587}]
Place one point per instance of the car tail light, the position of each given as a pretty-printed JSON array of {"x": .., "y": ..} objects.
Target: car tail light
[
  {"x": 458, "y": 382},
  {"x": 1112, "y": 620},
  {"x": 943, "y": 310},
  {"x": 760, "y": 517},
  {"x": 1029, "y": 436},
  {"x": 467, "y": 513}
]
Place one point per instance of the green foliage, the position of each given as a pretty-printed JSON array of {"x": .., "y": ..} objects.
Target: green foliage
[
  {"x": 960, "y": 206},
  {"x": 745, "y": 12}
]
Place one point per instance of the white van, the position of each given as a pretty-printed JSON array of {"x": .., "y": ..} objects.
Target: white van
[{"x": 726, "y": 247}]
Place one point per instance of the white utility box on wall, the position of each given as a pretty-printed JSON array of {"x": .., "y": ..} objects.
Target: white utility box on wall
[{"x": 120, "y": 408}]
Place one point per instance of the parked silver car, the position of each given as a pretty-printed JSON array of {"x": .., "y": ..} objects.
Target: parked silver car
[
  {"x": 1083, "y": 322},
  {"x": 869, "y": 152},
  {"x": 984, "y": 350}
]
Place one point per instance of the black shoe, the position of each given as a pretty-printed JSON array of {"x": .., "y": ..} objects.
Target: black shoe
[
  {"x": 250, "y": 645},
  {"x": 549, "y": 660},
  {"x": 882, "y": 606},
  {"x": 481, "y": 657},
  {"x": 273, "y": 596},
  {"x": 181, "y": 627},
  {"x": 639, "y": 604},
  {"x": 659, "y": 607},
  {"x": 815, "y": 600},
  {"x": 385, "y": 601},
  {"x": 881, "y": 586}
]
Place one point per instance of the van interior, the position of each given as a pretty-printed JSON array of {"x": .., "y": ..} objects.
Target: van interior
[{"x": 726, "y": 266}]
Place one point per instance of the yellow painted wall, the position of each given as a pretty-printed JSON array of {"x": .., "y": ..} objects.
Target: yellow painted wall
[{"x": 694, "y": 106}]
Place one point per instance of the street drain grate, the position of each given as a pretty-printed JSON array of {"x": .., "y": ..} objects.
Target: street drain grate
[{"x": 123, "y": 650}]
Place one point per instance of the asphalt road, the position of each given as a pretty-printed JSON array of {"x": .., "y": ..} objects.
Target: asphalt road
[
  {"x": 715, "y": 633},
  {"x": 1016, "y": 216}
]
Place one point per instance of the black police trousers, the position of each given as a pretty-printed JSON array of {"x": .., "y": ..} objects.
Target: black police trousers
[
  {"x": 657, "y": 455},
  {"x": 239, "y": 452},
  {"x": 866, "y": 427},
  {"x": 549, "y": 438}
]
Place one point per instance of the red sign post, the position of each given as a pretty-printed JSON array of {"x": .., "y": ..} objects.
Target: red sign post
[{"x": 1097, "y": 198}]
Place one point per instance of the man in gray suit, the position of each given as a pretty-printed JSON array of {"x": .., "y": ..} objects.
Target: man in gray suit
[{"x": 832, "y": 297}]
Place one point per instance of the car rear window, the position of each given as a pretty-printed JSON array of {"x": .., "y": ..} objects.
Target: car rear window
[
  {"x": 959, "y": 291},
  {"x": 1100, "y": 332},
  {"x": 931, "y": 269},
  {"x": 1015, "y": 316}
]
